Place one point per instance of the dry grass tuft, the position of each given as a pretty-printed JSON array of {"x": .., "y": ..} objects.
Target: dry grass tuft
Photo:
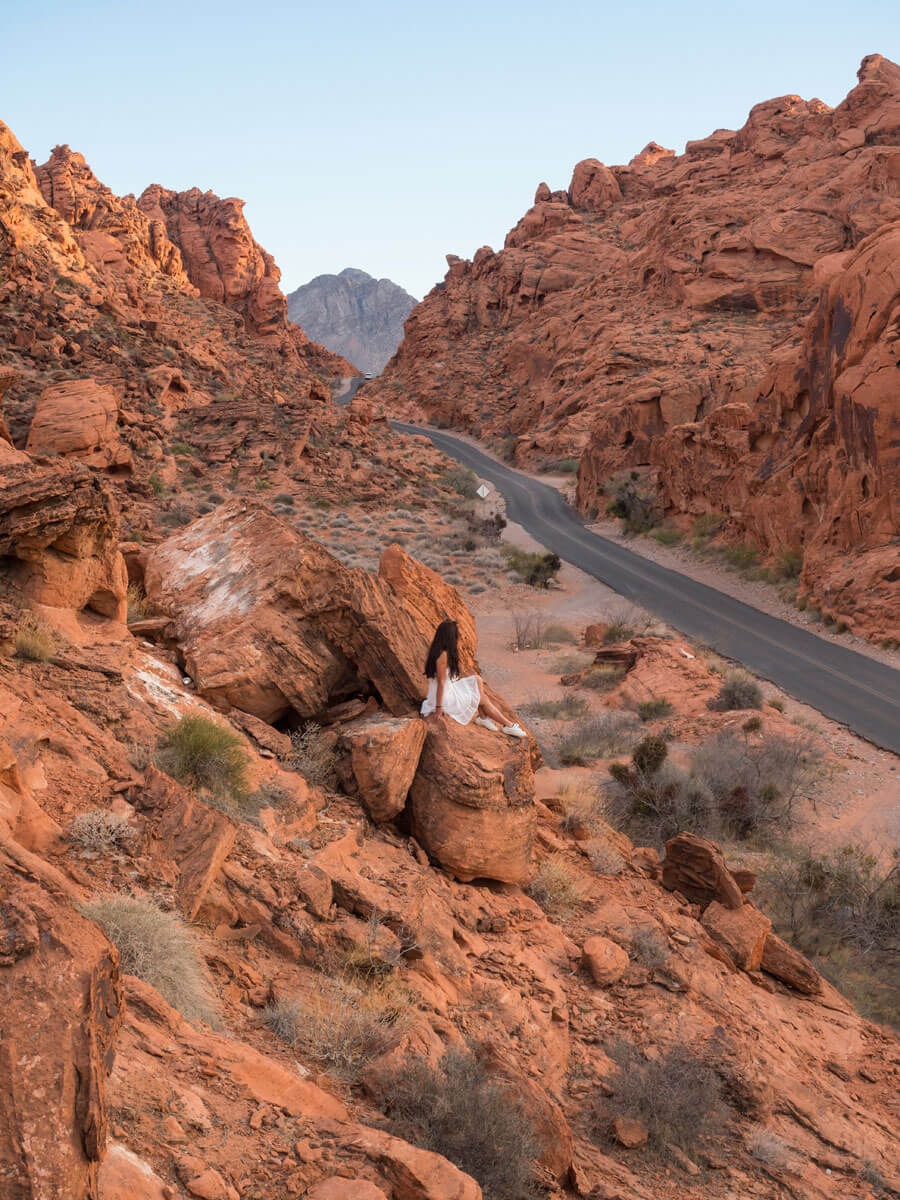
[
  {"x": 158, "y": 948},
  {"x": 101, "y": 830},
  {"x": 556, "y": 887},
  {"x": 35, "y": 641}
]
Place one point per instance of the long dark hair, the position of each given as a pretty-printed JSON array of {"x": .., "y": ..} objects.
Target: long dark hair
[{"x": 446, "y": 638}]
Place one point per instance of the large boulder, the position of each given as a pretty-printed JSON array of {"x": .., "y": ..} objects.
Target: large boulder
[
  {"x": 605, "y": 961},
  {"x": 60, "y": 1011},
  {"x": 78, "y": 417},
  {"x": 271, "y": 623},
  {"x": 59, "y": 535},
  {"x": 473, "y": 803},
  {"x": 742, "y": 932},
  {"x": 382, "y": 754}
]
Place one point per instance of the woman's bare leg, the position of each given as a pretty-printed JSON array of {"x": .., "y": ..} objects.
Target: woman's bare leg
[{"x": 487, "y": 707}]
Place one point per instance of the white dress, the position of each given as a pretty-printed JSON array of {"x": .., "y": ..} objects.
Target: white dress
[{"x": 459, "y": 701}]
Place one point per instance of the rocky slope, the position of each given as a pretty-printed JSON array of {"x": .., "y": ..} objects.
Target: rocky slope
[
  {"x": 354, "y": 315},
  {"x": 218, "y": 964},
  {"x": 722, "y": 321}
]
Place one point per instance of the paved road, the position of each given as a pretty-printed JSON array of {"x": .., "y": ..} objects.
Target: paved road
[{"x": 840, "y": 683}]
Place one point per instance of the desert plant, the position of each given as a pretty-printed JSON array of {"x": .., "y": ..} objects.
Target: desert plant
[
  {"x": 555, "y": 634},
  {"x": 35, "y": 641},
  {"x": 755, "y": 785},
  {"x": 606, "y": 734},
  {"x": 653, "y": 806},
  {"x": 567, "y": 708},
  {"x": 463, "y": 481},
  {"x": 556, "y": 886},
  {"x": 677, "y": 1096},
  {"x": 138, "y": 604},
  {"x": 654, "y": 708},
  {"x": 636, "y": 505},
  {"x": 668, "y": 535},
  {"x": 601, "y": 678},
  {"x": 737, "y": 691},
  {"x": 158, "y": 948},
  {"x": 528, "y": 630},
  {"x": 741, "y": 556},
  {"x": 787, "y": 564},
  {"x": 604, "y": 858},
  {"x": 538, "y": 570},
  {"x": 201, "y": 751},
  {"x": 462, "y": 1112},
  {"x": 313, "y": 755},
  {"x": 101, "y": 830},
  {"x": 767, "y": 1147},
  {"x": 339, "y": 1024},
  {"x": 650, "y": 946}
]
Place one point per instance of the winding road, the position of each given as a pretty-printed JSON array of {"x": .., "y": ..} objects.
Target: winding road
[{"x": 848, "y": 687}]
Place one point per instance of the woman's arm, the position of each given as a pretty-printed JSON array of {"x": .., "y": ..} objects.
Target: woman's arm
[{"x": 441, "y": 676}]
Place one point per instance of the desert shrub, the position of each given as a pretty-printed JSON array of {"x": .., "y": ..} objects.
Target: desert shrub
[
  {"x": 200, "y": 751},
  {"x": 601, "y": 736},
  {"x": 555, "y": 634},
  {"x": 538, "y": 570},
  {"x": 676, "y": 1096},
  {"x": 604, "y": 858},
  {"x": 755, "y": 785},
  {"x": 650, "y": 947},
  {"x": 101, "y": 830},
  {"x": 668, "y": 535},
  {"x": 185, "y": 449},
  {"x": 138, "y": 604},
  {"x": 567, "y": 708},
  {"x": 528, "y": 630},
  {"x": 654, "y": 708},
  {"x": 339, "y": 1024},
  {"x": 158, "y": 948},
  {"x": 601, "y": 678},
  {"x": 705, "y": 529},
  {"x": 35, "y": 641},
  {"x": 737, "y": 691},
  {"x": 568, "y": 664},
  {"x": 636, "y": 504},
  {"x": 751, "y": 725},
  {"x": 652, "y": 806},
  {"x": 777, "y": 704},
  {"x": 313, "y": 755},
  {"x": 282, "y": 498},
  {"x": 741, "y": 555},
  {"x": 460, "y": 1111},
  {"x": 556, "y": 886},
  {"x": 156, "y": 485},
  {"x": 787, "y": 564},
  {"x": 767, "y": 1147},
  {"x": 463, "y": 481}
]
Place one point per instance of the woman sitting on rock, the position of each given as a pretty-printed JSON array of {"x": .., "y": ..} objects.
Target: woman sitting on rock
[{"x": 450, "y": 696}]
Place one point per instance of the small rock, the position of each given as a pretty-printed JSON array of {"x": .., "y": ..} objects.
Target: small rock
[
  {"x": 606, "y": 961},
  {"x": 630, "y": 1132}
]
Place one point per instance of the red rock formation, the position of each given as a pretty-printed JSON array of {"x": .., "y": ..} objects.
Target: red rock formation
[
  {"x": 646, "y": 319},
  {"x": 112, "y": 231},
  {"x": 223, "y": 260}
]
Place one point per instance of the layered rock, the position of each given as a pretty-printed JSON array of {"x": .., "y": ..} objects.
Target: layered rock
[
  {"x": 644, "y": 319},
  {"x": 270, "y": 622},
  {"x": 354, "y": 315},
  {"x": 59, "y": 534},
  {"x": 78, "y": 419},
  {"x": 223, "y": 259},
  {"x": 472, "y": 803},
  {"x": 60, "y": 1010}
]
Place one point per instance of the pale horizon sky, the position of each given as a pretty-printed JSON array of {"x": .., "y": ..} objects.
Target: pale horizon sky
[{"x": 386, "y": 136}]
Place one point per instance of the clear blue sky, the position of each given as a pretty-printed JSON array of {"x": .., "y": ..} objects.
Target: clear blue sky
[{"x": 382, "y": 136}]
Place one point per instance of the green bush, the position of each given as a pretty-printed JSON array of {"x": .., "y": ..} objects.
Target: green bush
[
  {"x": 463, "y": 481},
  {"x": 158, "y": 948},
  {"x": 737, "y": 692},
  {"x": 654, "y": 708},
  {"x": 538, "y": 570},
  {"x": 460, "y": 1111},
  {"x": 636, "y": 506},
  {"x": 206, "y": 754},
  {"x": 668, "y": 535}
]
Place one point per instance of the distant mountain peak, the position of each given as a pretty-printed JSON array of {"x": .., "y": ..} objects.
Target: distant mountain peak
[{"x": 352, "y": 310}]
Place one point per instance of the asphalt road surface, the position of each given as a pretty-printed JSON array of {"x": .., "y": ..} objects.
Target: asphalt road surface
[{"x": 846, "y": 686}]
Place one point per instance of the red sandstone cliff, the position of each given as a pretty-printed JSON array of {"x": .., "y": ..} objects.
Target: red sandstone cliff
[{"x": 724, "y": 317}]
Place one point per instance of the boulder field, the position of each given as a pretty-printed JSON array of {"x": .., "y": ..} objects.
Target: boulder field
[{"x": 722, "y": 321}]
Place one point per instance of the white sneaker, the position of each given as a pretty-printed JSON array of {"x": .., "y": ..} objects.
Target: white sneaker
[
  {"x": 487, "y": 723},
  {"x": 515, "y": 730}
]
